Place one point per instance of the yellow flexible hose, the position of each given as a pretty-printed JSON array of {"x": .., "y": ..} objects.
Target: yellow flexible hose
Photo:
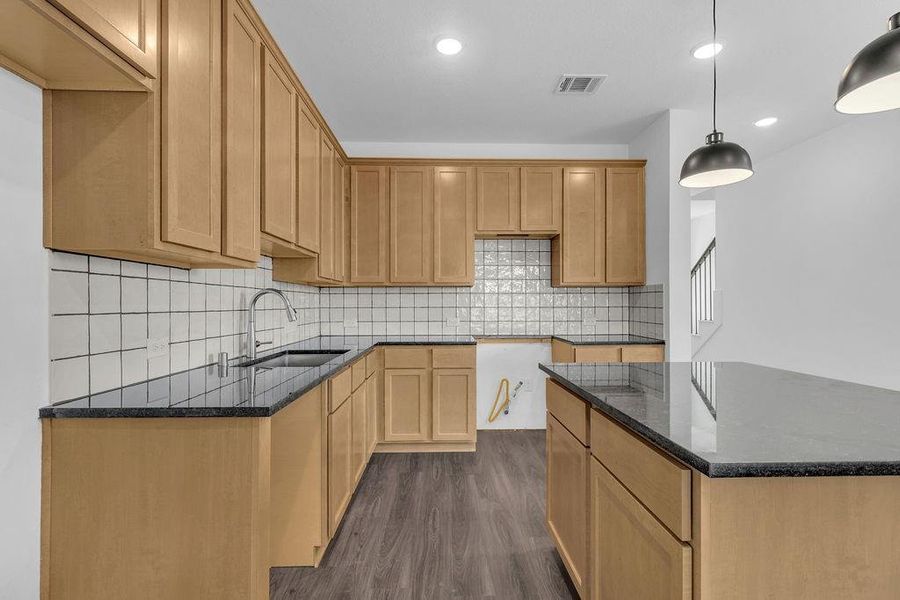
[{"x": 495, "y": 412}]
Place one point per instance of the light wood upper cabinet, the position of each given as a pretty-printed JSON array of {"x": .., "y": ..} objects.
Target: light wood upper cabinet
[
  {"x": 308, "y": 174},
  {"x": 242, "y": 136},
  {"x": 632, "y": 554},
  {"x": 339, "y": 199},
  {"x": 541, "y": 199},
  {"x": 498, "y": 200},
  {"x": 454, "y": 225},
  {"x": 128, "y": 27},
  {"x": 453, "y": 405},
  {"x": 326, "y": 210},
  {"x": 340, "y": 465},
  {"x": 279, "y": 202},
  {"x": 369, "y": 225},
  {"x": 191, "y": 124},
  {"x": 580, "y": 251},
  {"x": 412, "y": 204},
  {"x": 625, "y": 226},
  {"x": 567, "y": 502},
  {"x": 407, "y": 405}
]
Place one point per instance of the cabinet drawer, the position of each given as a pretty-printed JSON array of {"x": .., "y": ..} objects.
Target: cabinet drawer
[
  {"x": 569, "y": 410},
  {"x": 453, "y": 357},
  {"x": 410, "y": 357},
  {"x": 358, "y": 373},
  {"x": 648, "y": 353},
  {"x": 340, "y": 387},
  {"x": 632, "y": 555},
  {"x": 598, "y": 354},
  {"x": 661, "y": 484},
  {"x": 373, "y": 362}
]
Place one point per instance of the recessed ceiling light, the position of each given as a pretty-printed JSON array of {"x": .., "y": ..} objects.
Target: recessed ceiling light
[
  {"x": 707, "y": 49},
  {"x": 448, "y": 46},
  {"x": 766, "y": 122}
]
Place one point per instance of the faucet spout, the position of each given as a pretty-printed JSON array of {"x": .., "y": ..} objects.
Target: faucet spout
[{"x": 290, "y": 313}]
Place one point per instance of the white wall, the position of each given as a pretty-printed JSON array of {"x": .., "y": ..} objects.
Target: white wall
[
  {"x": 665, "y": 144},
  {"x": 441, "y": 150},
  {"x": 516, "y": 362},
  {"x": 24, "y": 355},
  {"x": 808, "y": 255},
  {"x": 703, "y": 230}
]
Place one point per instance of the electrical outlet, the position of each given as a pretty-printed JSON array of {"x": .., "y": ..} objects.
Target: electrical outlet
[{"x": 157, "y": 347}]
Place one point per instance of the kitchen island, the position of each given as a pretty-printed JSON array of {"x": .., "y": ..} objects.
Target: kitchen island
[{"x": 722, "y": 480}]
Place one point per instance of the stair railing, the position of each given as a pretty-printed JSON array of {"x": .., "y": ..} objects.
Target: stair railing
[{"x": 703, "y": 282}]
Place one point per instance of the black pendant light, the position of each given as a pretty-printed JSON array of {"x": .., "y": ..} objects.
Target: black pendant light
[
  {"x": 871, "y": 82},
  {"x": 718, "y": 162}
]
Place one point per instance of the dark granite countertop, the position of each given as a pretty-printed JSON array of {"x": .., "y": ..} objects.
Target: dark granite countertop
[
  {"x": 606, "y": 340},
  {"x": 749, "y": 420},
  {"x": 245, "y": 392}
]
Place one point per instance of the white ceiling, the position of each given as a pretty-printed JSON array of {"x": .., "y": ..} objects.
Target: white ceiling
[{"x": 372, "y": 69}]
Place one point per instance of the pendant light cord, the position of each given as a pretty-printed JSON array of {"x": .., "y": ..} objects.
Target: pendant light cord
[{"x": 715, "y": 74}]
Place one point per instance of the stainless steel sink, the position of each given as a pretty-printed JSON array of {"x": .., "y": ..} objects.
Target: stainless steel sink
[{"x": 296, "y": 358}]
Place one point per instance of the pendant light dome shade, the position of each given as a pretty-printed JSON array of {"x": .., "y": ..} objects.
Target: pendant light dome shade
[
  {"x": 871, "y": 82},
  {"x": 717, "y": 163}
]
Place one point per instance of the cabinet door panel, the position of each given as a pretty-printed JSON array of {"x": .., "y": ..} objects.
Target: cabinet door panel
[
  {"x": 584, "y": 226},
  {"x": 326, "y": 210},
  {"x": 368, "y": 225},
  {"x": 632, "y": 555},
  {"x": 308, "y": 174},
  {"x": 453, "y": 405},
  {"x": 412, "y": 203},
  {"x": 127, "y": 26},
  {"x": 625, "y": 225},
  {"x": 359, "y": 410},
  {"x": 498, "y": 199},
  {"x": 454, "y": 225},
  {"x": 243, "y": 95},
  {"x": 279, "y": 202},
  {"x": 372, "y": 402},
  {"x": 341, "y": 174},
  {"x": 191, "y": 125},
  {"x": 340, "y": 471},
  {"x": 567, "y": 500},
  {"x": 541, "y": 206},
  {"x": 407, "y": 402}
]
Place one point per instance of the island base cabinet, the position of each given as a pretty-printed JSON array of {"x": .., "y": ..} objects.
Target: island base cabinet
[
  {"x": 567, "y": 500},
  {"x": 632, "y": 554}
]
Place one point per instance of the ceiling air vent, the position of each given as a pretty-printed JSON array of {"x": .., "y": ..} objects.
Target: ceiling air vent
[{"x": 579, "y": 84}]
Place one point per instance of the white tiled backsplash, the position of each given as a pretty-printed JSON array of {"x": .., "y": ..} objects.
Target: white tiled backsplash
[
  {"x": 103, "y": 312},
  {"x": 511, "y": 296}
]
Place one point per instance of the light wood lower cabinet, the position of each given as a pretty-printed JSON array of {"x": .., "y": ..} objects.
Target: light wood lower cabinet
[
  {"x": 565, "y": 352},
  {"x": 567, "y": 500},
  {"x": 299, "y": 477},
  {"x": 373, "y": 401},
  {"x": 340, "y": 464},
  {"x": 453, "y": 394},
  {"x": 359, "y": 409},
  {"x": 632, "y": 554},
  {"x": 407, "y": 405}
]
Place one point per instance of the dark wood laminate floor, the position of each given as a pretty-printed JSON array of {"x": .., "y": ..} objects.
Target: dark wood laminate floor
[{"x": 464, "y": 525}]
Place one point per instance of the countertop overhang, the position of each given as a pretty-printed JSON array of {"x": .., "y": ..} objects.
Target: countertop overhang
[{"x": 746, "y": 420}]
